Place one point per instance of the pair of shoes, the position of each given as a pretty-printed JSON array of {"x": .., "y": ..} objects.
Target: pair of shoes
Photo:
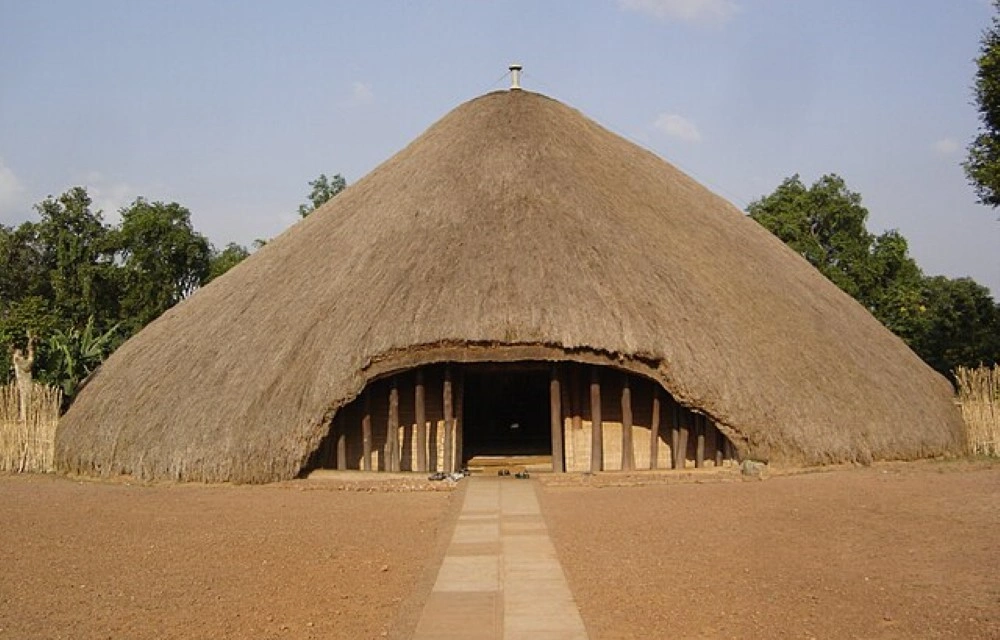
[
  {"x": 503, "y": 472},
  {"x": 522, "y": 475},
  {"x": 435, "y": 477}
]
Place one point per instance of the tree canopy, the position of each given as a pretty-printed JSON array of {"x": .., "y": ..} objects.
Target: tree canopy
[
  {"x": 83, "y": 286},
  {"x": 947, "y": 322},
  {"x": 223, "y": 261},
  {"x": 162, "y": 259},
  {"x": 982, "y": 165},
  {"x": 323, "y": 189}
]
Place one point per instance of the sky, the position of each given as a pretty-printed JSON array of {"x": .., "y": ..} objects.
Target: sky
[{"x": 230, "y": 107}]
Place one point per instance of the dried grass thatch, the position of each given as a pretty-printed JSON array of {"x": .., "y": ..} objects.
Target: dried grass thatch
[
  {"x": 979, "y": 397},
  {"x": 513, "y": 228},
  {"x": 27, "y": 439}
]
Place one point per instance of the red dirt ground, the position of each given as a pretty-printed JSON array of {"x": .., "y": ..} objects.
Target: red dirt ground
[
  {"x": 298, "y": 560},
  {"x": 895, "y": 551}
]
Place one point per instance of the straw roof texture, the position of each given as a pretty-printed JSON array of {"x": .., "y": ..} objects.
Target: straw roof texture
[{"x": 514, "y": 227}]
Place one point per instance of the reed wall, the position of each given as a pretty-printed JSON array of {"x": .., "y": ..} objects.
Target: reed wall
[
  {"x": 979, "y": 397},
  {"x": 28, "y": 427}
]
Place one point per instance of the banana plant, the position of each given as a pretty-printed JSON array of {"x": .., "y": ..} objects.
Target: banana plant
[{"x": 78, "y": 353}]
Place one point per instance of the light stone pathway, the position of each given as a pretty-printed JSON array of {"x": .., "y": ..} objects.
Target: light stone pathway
[{"x": 500, "y": 578}]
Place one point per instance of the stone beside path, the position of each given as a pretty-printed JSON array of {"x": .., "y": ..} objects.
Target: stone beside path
[{"x": 500, "y": 578}]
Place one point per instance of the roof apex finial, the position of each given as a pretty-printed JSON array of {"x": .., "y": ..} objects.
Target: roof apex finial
[{"x": 515, "y": 75}]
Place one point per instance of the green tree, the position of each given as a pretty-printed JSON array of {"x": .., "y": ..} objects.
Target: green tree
[
  {"x": 54, "y": 274},
  {"x": 223, "y": 261},
  {"x": 31, "y": 315},
  {"x": 982, "y": 165},
  {"x": 74, "y": 245},
  {"x": 82, "y": 286},
  {"x": 323, "y": 189},
  {"x": 962, "y": 325},
  {"x": 827, "y": 224},
  {"x": 947, "y": 322},
  {"x": 22, "y": 270},
  {"x": 163, "y": 260}
]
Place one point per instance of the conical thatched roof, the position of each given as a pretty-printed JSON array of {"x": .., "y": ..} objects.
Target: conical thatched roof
[{"x": 513, "y": 227}]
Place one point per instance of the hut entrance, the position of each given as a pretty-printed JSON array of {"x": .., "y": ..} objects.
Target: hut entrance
[
  {"x": 506, "y": 411},
  {"x": 570, "y": 416}
]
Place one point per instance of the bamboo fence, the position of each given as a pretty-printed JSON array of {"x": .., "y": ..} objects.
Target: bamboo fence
[
  {"x": 27, "y": 444},
  {"x": 979, "y": 397}
]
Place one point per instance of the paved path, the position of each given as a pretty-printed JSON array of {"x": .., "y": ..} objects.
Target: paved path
[{"x": 500, "y": 579}]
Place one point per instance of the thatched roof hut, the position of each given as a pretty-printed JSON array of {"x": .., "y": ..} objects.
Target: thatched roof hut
[{"x": 515, "y": 229}]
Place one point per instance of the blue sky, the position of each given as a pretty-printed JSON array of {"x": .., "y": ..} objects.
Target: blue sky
[{"x": 231, "y": 107}]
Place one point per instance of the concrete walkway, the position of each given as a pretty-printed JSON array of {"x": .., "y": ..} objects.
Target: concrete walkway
[{"x": 500, "y": 579}]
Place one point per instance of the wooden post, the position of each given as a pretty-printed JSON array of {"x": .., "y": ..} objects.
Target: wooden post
[
  {"x": 673, "y": 413},
  {"x": 574, "y": 398},
  {"x": 654, "y": 430},
  {"x": 366, "y": 432},
  {"x": 718, "y": 441},
  {"x": 420, "y": 417},
  {"x": 566, "y": 406},
  {"x": 449, "y": 417},
  {"x": 556, "y": 420},
  {"x": 628, "y": 452},
  {"x": 684, "y": 425},
  {"x": 596, "y": 428},
  {"x": 459, "y": 422},
  {"x": 392, "y": 430},
  {"x": 699, "y": 451},
  {"x": 340, "y": 431},
  {"x": 727, "y": 448}
]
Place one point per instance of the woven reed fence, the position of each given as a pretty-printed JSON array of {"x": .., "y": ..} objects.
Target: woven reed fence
[
  {"x": 979, "y": 397},
  {"x": 27, "y": 445}
]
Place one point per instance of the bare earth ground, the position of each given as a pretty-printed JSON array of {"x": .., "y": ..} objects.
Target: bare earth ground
[
  {"x": 298, "y": 560},
  {"x": 894, "y": 551}
]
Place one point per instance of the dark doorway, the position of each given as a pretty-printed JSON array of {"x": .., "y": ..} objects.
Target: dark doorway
[{"x": 506, "y": 411}]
